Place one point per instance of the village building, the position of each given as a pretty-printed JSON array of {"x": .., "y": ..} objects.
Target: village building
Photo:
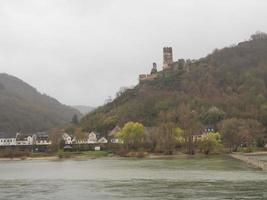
[
  {"x": 112, "y": 136},
  {"x": 74, "y": 140},
  {"x": 6, "y": 140},
  {"x": 23, "y": 139},
  {"x": 102, "y": 140},
  {"x": 41, "y": 138},
  {"x": 67, "y": 138},
  {"x": 208, "y": 128},
  {"x": 92, "y": 138}
]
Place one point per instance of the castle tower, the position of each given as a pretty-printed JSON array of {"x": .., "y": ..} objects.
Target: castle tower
[
  {"x": 154, "y": 69},
  {"x": 167, "y": 58}
]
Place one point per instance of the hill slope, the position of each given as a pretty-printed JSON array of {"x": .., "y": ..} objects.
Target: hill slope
[
  {"x": 23, "y": 108},
  {"x": 232, "y": 81}
]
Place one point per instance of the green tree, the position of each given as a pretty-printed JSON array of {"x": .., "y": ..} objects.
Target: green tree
[
  {"x": 168, "y": 136},
  {"x": 210, "y": 142},
  {"x": 133, "y": 135},
  {"x": 240, "y": 132},
  {"x": 70, "y": 130},
  {"x": 213, "y": 116},
  {"x": 79, "y": 136},
  {"x": 189, "y": 122},
  {"x": 55, "y": 136}
]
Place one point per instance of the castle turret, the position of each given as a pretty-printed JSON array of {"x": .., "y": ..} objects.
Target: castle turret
[
  {"x": 149, "y": 77},
  {"x": 154, "y": 69},
  {"x": 167, "y": 58}
]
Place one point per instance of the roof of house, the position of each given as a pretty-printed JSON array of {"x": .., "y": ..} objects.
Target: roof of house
[
  {"x": 102, "y": 138},
  {"x": 94, "y": 133},
  {"x": 22, "y": 136},
  {"x": 114, "y": 131},
  {"x": 41, "y": 135},
  {"x": 5, "y": 135}
]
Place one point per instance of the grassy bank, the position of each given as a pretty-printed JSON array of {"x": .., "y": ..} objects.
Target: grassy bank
[
  {"x": 90, "y": 154},
  {"x": 60, "y": 154}
]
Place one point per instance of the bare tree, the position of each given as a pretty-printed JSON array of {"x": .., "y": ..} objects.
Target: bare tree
[{"x": 189, "y": 122}]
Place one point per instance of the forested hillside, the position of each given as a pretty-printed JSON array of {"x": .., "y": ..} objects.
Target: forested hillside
[
  {"x": 23, "y": 108},
  {"x": 228, "y": 83}
]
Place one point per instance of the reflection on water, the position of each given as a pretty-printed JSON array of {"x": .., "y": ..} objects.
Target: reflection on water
[{"x": 212, "y": 178}]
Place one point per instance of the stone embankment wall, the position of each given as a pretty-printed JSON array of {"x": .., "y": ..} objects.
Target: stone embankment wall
[{"x": 249, "y": 159}]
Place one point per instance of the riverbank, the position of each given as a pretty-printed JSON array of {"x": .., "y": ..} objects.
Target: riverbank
[
  {"x": 59, "y": 156},
  {"x": 87, "y": 155},
  {"x": 30, "y": 158},
  {"x": 90, "y": 155},
  {"x": 251, "y": 159},
  {"x": 248, "y": 158}
]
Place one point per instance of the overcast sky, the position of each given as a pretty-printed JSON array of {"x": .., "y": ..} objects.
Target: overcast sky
[{"x": 82, "y": 51}]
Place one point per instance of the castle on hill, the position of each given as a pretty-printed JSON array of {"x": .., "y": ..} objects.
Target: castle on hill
[{"x": 168, "y": 65}]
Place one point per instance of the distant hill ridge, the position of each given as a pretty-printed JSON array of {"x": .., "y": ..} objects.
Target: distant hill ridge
[
  {"x": 23, "y": 108},
  {"x": 84, "y": 109}
]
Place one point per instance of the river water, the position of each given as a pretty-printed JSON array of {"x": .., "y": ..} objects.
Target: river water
[{"x": 159, "y": 179}]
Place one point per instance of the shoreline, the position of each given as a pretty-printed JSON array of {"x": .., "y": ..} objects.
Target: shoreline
[
  {"x": 244, "y": 157},
  {"x": 55, "y": 158},
  {"x": 49, "y": 158},
  {"x": 85, "y": 157},
  {"x": 248, "y": 159}
]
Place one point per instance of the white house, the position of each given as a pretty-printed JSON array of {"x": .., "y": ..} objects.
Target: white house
[
  {"x": 43, "y": 142},
  {"x": 41, "y": 138},
  {"x": 102, "y": 140},
  {"x": 67, "y": 139},
  {"x": 7, "y": 141},
  {"x": 92, "y": 139},
  {"x": 23, "y": 139},
  {"x": 26, "y": 141}
]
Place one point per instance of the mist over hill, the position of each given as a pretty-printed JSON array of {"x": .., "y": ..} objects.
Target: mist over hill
[
  {"x": 84, "y": 109},
  {"x": 23, "y": 108},
  {"x": 231, "y": 81}
]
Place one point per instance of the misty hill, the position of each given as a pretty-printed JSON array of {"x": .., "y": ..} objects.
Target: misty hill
[
  {"x": 23, "y": 108},
  {"x": 231, "y": 81},
  {"x": 84, "y": 109}
]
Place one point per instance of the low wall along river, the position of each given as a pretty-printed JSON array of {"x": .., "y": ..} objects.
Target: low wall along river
[{"x": 257, "y": 160}]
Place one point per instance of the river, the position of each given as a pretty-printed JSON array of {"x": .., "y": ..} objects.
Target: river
[{"x": 184, "y": 178}]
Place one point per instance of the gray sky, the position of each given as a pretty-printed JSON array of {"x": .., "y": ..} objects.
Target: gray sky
[{"x": 82, "y": 51}]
